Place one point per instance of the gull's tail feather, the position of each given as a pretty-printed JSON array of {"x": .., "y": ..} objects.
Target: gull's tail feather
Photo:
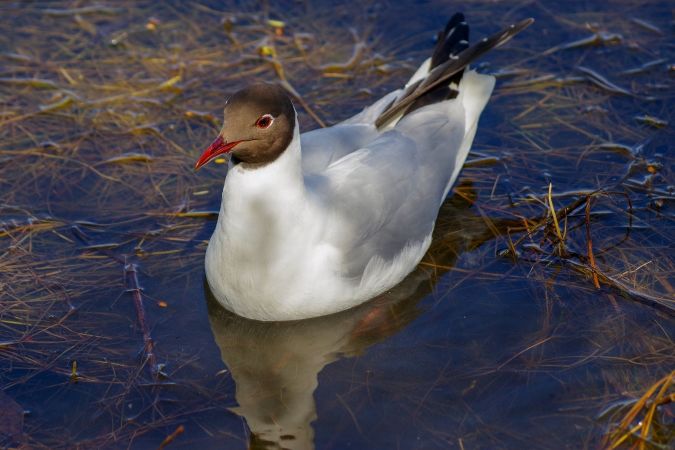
[{"x": 451, "y": 56}]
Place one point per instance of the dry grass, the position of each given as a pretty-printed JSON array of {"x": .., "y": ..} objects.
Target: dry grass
[{"x": 645, "y": 425}]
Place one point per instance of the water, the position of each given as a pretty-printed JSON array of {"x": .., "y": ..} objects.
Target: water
[{"x": 106, "y": 108}]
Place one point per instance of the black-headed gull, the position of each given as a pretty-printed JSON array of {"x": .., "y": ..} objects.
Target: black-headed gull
[{"x": 317, "y": 223}]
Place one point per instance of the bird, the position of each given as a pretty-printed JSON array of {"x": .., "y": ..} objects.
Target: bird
[{"x": 316, "y": 223}]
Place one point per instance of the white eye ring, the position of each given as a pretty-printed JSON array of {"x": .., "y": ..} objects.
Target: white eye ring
[{"x": 264, "y": 121}]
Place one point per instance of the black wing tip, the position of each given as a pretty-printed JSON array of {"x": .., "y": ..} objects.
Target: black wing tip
[
  {"x": 512, "y": 30},
  {"x": 451, "y": 41},
  {"x": 456, "y": 19},
  {"x": 473, "y": 52},
  {"x": 521, "y": 25}
]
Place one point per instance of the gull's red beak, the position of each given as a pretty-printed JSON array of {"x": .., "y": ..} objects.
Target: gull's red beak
[{"x": 217, "y": 147}]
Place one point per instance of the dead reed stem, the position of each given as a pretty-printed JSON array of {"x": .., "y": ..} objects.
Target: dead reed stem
[
  {"x": 589, "y": 243},
  {"x": 131, "y": 277}
]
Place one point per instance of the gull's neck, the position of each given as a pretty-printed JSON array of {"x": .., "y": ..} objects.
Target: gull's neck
[
  {"x": 251, "y": 189},
  {"x": 263, "y": 230},
  {"x": 261, "y": 205}
]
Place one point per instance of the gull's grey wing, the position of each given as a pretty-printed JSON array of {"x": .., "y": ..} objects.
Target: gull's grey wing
[
  {"x": 324, "y": 146},
  {"x": 403, "y": 176}
]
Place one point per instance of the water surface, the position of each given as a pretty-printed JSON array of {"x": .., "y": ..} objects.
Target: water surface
[{"x": 499, "y": 339}]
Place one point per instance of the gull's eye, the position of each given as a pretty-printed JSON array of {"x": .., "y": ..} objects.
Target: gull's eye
[{"x": 264, "y": 121}]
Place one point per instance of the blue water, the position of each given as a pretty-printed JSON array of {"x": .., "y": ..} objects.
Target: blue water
[{"x": 472, "y": 350}]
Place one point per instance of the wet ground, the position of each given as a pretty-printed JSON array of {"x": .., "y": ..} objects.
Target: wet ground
[{"x": 516, "y": 330}]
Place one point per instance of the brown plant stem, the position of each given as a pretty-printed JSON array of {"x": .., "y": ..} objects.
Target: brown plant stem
[
  {"x": 589, "y": 243},
  {"x": 131, "y": 279}
]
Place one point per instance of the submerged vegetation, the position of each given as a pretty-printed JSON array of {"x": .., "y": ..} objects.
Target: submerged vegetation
[{"x": 560, "y": 232}]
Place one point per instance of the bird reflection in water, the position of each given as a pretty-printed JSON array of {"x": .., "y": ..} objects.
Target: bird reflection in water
[{"x": 275, "y": 365}]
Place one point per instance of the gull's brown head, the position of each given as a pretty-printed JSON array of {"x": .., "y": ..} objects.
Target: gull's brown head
[{"x": 258, "y": 125}]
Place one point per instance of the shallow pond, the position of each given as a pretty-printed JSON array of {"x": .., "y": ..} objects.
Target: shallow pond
[{"x": 513, "y": 332}]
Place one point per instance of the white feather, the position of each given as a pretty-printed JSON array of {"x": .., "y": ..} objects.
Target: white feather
[{"x": 344, "y": 213}]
